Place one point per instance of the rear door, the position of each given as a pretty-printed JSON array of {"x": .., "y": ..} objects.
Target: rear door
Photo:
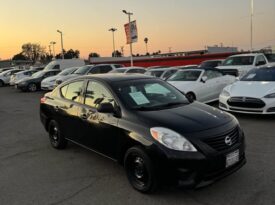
[{"x": 67, "y": 109}]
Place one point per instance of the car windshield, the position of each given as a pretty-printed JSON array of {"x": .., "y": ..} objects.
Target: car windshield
[
  {"x": 146, "y": 95},
  {"x": 118, "y": 71},
  {"x": 262, "y": 74},
  {"x": 67, "y": 71},
  {"x": 82, "y": 70},
  {"x": 155, "y": 73},
  {"x": 38, "y": 74},
  {"x": 270, "y": 58},
  {"x": 185, "y": 75},
  {"x": 239, "y": 60}
]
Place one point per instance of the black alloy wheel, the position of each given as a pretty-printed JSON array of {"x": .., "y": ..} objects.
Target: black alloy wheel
[
  {"x": 56, "y": 138},
  {"x": 139, "y": 170},
  {"x": 191, "y": 97},
  {"x": 32, "y": 87}
]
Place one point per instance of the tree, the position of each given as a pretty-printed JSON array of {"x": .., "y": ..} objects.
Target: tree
[
  {"x": 146, "y": 44},
  {"x": 68, "y": 54},
  {"x": 116, "y": 54},
  {"x": 94, "y": 55},
  {"x": 33, "y": 51},
  {"x": 19, "y": 56}
]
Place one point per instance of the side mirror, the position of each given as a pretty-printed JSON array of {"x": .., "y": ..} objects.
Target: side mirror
[
  {"x": 204, "y": 79},
  {"x": 105, "y": 108}
]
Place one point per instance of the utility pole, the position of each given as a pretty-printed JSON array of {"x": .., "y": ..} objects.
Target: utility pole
[{"x": 251, "y": 24}]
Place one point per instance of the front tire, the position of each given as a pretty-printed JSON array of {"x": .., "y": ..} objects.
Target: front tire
[
  {"x": 2, "y": 83},
  {"x": 140, "y": 170},
  {"x": 56, "y": 138},
  {"x": 191, "y": 97},
  {"x": 32, "y": 87}
]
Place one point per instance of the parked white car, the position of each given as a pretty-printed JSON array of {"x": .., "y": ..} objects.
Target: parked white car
[
  {"x": 254, "y": 93},
  {"x": 49, "y": 83},
  {"x": 20, "y": 75},
  {"x": 129, "y": 70},
  {"x": 239, "y": 65},
  {"x": 6, "y": 75},
  {"x": 202, "y": 84},
  {"x": 162, "y": 73}
]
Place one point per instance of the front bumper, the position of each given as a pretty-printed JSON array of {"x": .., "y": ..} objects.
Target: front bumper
[
  {"x": 198, "y": 169},
  {"x": 268, "y": 109},
  {"x": 47, "y": 87},
  {"x": 21, "y": 86}
]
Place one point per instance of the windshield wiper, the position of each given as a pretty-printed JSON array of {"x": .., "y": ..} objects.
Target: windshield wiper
[{"x": 142, "y": 108}]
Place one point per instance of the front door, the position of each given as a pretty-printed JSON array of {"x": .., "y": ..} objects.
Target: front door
[{"x": 99, "y": 129}]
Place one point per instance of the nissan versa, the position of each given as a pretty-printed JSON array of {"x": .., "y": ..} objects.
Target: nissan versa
[{"x": 148, "y": 126}]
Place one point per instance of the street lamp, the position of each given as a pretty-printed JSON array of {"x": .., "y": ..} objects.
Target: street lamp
[
  {"x": 129, "y": 20},
  {"x": 62, "y": 52},
  {"x": 146, "y": 42},
  {"x": 53, "y": 43},
  {"x": 113, "y": 31},
  {"x": 50, "y": 50}
]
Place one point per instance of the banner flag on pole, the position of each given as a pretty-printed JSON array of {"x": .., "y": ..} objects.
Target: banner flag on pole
[{"x": 132, "y": 36}]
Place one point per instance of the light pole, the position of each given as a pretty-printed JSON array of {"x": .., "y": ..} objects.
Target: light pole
[
  {"x": 113, "y": 32},
  {"x": 129, "y": 20},
  {"x": 251, "y": 24},
  {"x": 146, "y": 42},
  {"x": 53, "y": 43},
  {"x": 50, "y": 50},
  {"x": 62, "y": 52}
]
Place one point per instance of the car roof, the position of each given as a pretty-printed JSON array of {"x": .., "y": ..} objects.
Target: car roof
[
  {"x": 115, "y": 77},
  {"x": 247, "y": 54},
  {"x": 162, "y": 69},
  {"x": 201, "y": 68}
]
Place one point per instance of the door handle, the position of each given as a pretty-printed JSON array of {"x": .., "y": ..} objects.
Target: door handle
[{"x": 84, "y": 116}]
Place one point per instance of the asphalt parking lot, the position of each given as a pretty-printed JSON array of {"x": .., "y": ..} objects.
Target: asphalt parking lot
[{"x": 32, "y": 172}]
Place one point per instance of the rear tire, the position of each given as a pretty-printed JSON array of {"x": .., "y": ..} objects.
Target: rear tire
[
  {"x": 191, "y": 97},
  {"x": 32, "y": 87},
  {"x": 140, "y": 170},
  {"x": 2, "y": 83},
  {"x": 57, "y": 140}
]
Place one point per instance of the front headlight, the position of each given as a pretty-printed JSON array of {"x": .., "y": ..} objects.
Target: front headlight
[
  {"x": 225, "y": 93},
  {"x": 272, "y": 95},
  {"x": 23, "y": 83},
  {"x": 171, "y": 139}
]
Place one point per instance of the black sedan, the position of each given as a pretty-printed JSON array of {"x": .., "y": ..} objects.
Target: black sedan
[
  {"x": 148, "y": 126},
  {"x": 33, "y": 83}
]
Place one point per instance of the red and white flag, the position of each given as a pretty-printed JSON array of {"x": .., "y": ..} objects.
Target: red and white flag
[{"x": 131, "y": 32}]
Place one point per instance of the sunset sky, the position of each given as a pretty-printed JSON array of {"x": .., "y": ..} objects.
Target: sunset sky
[{"x": 180, "y": 24}]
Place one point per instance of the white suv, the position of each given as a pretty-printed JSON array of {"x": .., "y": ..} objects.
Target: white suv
[{"x": 239, "y": 65}]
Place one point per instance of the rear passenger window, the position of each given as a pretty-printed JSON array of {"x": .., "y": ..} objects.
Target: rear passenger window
[
  {"x": 72, "y": 91},
  {"x": 96, "y": 94}
]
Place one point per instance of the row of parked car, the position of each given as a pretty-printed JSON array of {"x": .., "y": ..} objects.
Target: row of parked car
[{"x": 250, "y": 92}]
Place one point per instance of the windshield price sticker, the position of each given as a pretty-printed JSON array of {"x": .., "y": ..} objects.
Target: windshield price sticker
[{"x": 139, "y": 98}]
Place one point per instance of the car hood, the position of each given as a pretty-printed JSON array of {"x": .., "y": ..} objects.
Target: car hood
[
  {"x": 50, "y": 79},
  {"x": 251, "y": 89},
  {"x": 67, "y": 77},
  {"x": 183, "y": 85},
  {"x": 190, "y": 118}
]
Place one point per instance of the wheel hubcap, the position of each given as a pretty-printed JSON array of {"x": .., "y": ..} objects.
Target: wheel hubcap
[
  {"x": 54, "y": 134},
  {"x": 32, "y": 87},
  {"x": 139, "y": 168}
]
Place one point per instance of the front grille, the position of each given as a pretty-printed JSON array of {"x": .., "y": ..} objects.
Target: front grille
[
  {"x": 246, "y": 102},
  {"x": 219, "y": 142}
]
